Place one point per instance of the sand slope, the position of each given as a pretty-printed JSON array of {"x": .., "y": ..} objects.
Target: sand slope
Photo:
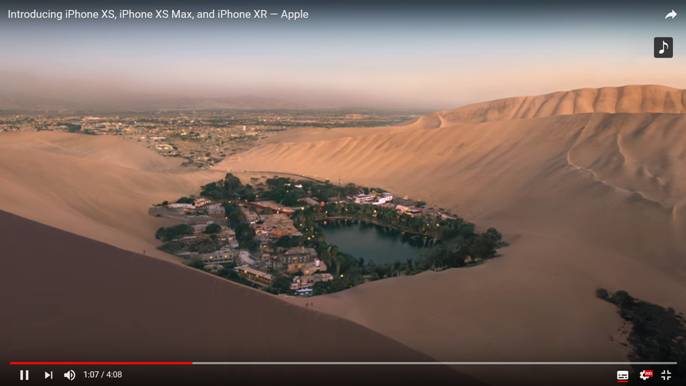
[
  {"x": 587, "y": 200},
  {"x": 589, "y": 186},
  {"x": 626, "y": 99},
  {"x": 96, "y": 186},
  {"x": 65, "y": 297}
]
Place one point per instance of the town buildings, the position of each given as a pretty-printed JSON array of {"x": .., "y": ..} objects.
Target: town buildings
[{"x": 270, "y": 244}]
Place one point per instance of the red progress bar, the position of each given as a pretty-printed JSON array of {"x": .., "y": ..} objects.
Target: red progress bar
[{"x": 100, "y": 363}]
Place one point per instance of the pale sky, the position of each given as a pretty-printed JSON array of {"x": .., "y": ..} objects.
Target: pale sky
[{"x": 409, "y": 57}]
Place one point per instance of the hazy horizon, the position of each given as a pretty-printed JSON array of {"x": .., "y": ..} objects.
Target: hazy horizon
[{"x": 428, "y": 57}]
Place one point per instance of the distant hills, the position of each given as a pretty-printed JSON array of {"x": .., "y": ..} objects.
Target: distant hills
[{"x": 625, "y": 99}]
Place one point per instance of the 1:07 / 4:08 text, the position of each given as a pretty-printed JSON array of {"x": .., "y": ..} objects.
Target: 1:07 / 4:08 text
[{"x": 103, "y": 374}]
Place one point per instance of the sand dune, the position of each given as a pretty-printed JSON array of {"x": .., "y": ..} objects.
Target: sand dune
[
  {"x": 589, "y": 186},
  {"x": 627, "y": 99},
  {"x": 84, "y": 300},
  {"x": 97, "y": 186}
]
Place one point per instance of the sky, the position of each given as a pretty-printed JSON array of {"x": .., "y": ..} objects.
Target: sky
[{"x": 419, "y": 55}]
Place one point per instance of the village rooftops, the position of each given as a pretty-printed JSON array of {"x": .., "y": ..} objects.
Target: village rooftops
[
  {"x": 373, "y": 198},
  {"x": 385, "y": 198},
  {"x": 364, "y": 198},
  {"x": 250, "y": 215},
  {"x": 215, "y": 210},
  {"x": 221, "y": 256},
  {"x": 197, "y": 219},
  {"x": 409, "y": 210},
  {"x": 272, "y": 206},
  {"x": 244, "y": 258},
  {"x": 200, "y": 228},
  {"x": 276, "y": 226},
  {"x": 307, "y": 268},
  {"x": 178, "y": 205},
  {"x": 301, "y": 258},
  {"x": 200, "y": 202},
  {"x": 310, "y": 201},
  {"x": 254, "y": 275},
  {"x": 404, "y": 201},
  {"x": 301, "y": 250},
  {"x": 228, "y": 232},
  {"x": 306, "y": 281}
]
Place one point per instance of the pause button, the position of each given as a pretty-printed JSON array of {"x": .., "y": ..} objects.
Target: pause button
[{"x": 23, "y": 375}]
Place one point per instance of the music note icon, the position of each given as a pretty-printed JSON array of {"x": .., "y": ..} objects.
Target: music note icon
[{"x": 663, "y": 47}]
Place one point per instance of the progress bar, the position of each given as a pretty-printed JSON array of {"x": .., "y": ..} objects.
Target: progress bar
[
  {"x": 430, "y": 363},
  {"x": 295, "y": 363},
  {"x": 99, "y": 363}
]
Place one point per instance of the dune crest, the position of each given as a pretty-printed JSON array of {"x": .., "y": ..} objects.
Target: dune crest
[
  {"x": 589, "y": 186},
  {"x": 625, "y": 99},
  {"x": 96, "y": 186}
]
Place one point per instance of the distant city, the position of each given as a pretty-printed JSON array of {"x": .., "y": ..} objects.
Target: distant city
[{"x": 201, "y": 138}]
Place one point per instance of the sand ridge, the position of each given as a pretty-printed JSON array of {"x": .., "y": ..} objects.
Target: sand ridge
[
  {"x": 588, "y": 186},
  {"x": 625, "y": 99},
  {"x": 587, "y": 199},
  {"x": 71, "y": 298},
  {"x": 96, "y": 186}
]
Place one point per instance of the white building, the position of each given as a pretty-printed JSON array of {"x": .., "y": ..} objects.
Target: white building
[{"x": 386, "y": 197}]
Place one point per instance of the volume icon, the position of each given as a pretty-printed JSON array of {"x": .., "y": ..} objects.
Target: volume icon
[{"x": 70, "y": 375}]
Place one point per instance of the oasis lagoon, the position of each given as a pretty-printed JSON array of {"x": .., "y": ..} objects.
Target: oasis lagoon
[{"x": 372, "y": 242}]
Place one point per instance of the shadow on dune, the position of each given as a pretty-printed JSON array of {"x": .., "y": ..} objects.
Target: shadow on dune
[{"x": 65, "y": 297}]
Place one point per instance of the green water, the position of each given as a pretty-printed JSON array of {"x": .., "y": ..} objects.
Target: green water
[{"x": 371, "y": 242}]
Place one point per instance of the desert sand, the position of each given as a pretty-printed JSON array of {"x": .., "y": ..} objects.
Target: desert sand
[
  {"x": 97, "y": 186},
  {"x": 588, "y": 186},
  {"x": 626, "y": 99},
  {"x": 66, "y": 297}
]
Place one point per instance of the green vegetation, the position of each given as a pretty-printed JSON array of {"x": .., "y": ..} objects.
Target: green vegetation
[
  {"x": 230, "y": 188},
  {"x": 288, "y": 242},
  {"x": 281, "y": 190},
  {"x": 186, "y": 200},
  {"x": 287, "y": 191},
  {"x": 450, "y": 240},
  {"x": 338, "y": 284},
  {"x": 244, "y": 233},
  {"x": 171, "y": 235},
  {"x": 453, "y": 243},
  {"x": 658, "y": 334},
  {"x": 204, "y": 245},
  {"x": 196, "y": 263},
  {"x": 213, "y": 228},
  {"x": 173, "y": 232},
  {"x": 280, "y": 285},
  {"x": 425, "y": 225},
  {"x": 73, "y": 127},
  {"x": 227, "y": 271},
  {"x": 172, "y": 247}
]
